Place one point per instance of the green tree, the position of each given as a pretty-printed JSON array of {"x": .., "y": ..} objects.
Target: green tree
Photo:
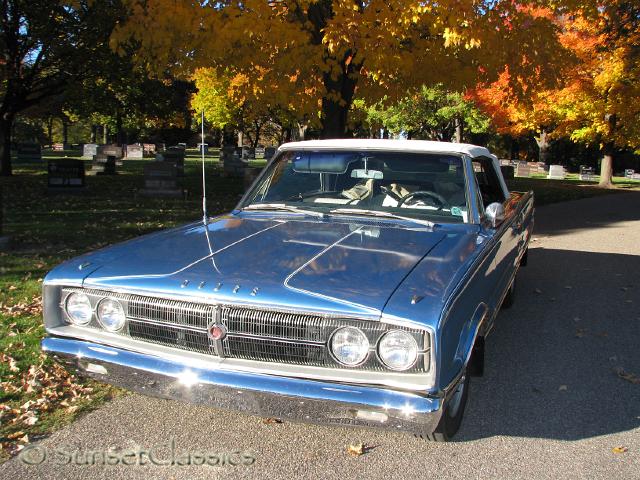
[
  {"x": 44, "y": 45},
  {"x": 432, "y": 113}
]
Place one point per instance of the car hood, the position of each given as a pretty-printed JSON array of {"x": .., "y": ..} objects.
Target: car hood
[{"x": 316, "y": 264}]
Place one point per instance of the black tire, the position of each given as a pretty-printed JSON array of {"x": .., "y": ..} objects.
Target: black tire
[
  {"x": 510, "y": 297},
  {"x": 452, "y": 413}
]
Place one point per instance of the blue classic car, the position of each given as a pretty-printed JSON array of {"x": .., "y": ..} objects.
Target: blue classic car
[{"x": 354, "y": 284}]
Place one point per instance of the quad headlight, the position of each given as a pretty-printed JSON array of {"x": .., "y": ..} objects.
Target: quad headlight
[
  {"x": 398, "y": 350},
  {"x": 78, "y": 308},
  {"x": 349, "y": 346},
  {"x": 111, "y": 314}
]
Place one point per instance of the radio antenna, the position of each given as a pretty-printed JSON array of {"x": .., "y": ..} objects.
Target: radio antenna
[{"x": 205, "y": 217}]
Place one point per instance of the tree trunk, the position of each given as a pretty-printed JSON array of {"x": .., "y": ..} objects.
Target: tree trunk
[
  {"x": 65, "y": 133},
  {"x": 119, "y": 132},
  {"x": 6, "y": 124},
  {"x": 105, "y": 134},
  {"x": 543, "y": 146},
  {"x": 606, "y": 167},
  {"x": 337, "y": 101},
  {"x": 50, "y": 131},
  {"x": 458, "y": 134},
  {"x": 94, "y": 133}
]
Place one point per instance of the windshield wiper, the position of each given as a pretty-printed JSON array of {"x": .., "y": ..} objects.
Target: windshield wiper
[
  {"x": 378, "y": 213},
  {"x": 282, "y": 207}
]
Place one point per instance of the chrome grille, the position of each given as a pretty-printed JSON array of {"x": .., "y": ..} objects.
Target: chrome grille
[{"x": 252, "y": 333}]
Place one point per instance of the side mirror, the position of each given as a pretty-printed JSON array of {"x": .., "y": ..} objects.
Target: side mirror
[{"x": 495, "y": 214}]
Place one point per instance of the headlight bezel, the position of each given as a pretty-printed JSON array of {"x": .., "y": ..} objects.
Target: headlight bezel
[
  {"x": 333, "y": 354},
  {"x": 70, "y": 317},
  {"x": 416, "y": 349},
  {"x": 99, "y": 315}
]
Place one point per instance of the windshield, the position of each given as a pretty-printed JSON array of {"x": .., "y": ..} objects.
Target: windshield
[{"x": 414, "y": 185}]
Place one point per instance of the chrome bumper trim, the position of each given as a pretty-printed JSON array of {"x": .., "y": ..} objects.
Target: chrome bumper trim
[{"x": 264, "y": 395}]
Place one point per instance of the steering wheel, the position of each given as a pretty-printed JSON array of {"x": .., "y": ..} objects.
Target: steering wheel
[{"x": 442, "y": 202}]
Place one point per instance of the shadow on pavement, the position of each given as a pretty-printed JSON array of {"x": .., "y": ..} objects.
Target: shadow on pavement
[
  {"x": 552, "y": 358},
  {"x": 595, "y": 212}
]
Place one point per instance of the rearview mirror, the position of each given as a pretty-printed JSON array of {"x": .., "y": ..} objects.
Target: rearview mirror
[{"x": 495, "y": 214}]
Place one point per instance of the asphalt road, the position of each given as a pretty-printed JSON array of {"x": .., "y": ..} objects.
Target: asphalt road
[{"x": 550, "y": 405}]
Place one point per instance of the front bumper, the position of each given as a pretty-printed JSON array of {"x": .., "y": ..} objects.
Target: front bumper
[{"x": 260, "y": 394}]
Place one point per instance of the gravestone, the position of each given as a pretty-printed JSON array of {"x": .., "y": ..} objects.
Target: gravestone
[
  {"x": 232, "y": 162},
  {"x": 556, "y": 172},
  {"x": 250, "y": 174},
  {"x": 508, "y": 171},
  {"x": 103, "y": 165},
  {"x": 135, "y": 151},
  {"x": 259, "y": 152},
  {"x": 629, "y": 172},
  {"x": 89, "y": 150},
  {"x": 65, "y": 175},
  {"x": 523, "y": 169},
  {"x": 57, "y": 147},
  {"x": 269, "y": 152},
  {"x": 540, "y": 167},
  {"x": 149, "y": 148},
  {"x": 205, "y": 146},
  {"x": 29, "y": 152},
  {"x": 587, "y": 173},
  {"x": 181, "y": 145},
  {"x": 248, "y": 153},
  {"x": 635, "y": 176},
  {"x": 161, "y": 180},
  {"x": 174, "y": 156},
  {"x": 112, "y": 150}
]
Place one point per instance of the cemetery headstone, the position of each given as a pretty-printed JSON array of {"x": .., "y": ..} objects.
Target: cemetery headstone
[
  {"x": 259, "y": 152},
  {"x": 149, "y": 148},
  {"x": 112, "y": 150},
  {"x": 161, "y": 180},
  {"x": 508, "y": 171},
  {"x": 29, "y": 152},
  {"x": 629, "y": 172},
  {"x": 174, "y": 156},
  {"x": 57, "y": 147},
  {"x": 269, "y": 152},
  {"x": 89, "y": 150},
  {"x": 250, "y": 174},
  {"x": 523, "y": 169},
  {"x": 232, "y": 162},
  {"x": 248, "y": 153},
  {"x": 587, "y": 173},
  {"x": 103, "y": 165},
  {"x": 556, "y": 172},
  {"x": 135, "y": 151},
  {"x": 65, "y": 174},
  {"x": 204, "y": 146}
]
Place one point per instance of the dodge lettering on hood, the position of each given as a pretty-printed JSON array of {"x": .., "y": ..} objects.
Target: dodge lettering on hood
[{"x": 354, "y": 283}]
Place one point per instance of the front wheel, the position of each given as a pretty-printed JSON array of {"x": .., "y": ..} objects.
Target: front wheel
[{"x": 452, "y": 413}]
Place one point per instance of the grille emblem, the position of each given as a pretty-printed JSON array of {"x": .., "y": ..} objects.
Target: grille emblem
[{"x": 217, "y": 331}]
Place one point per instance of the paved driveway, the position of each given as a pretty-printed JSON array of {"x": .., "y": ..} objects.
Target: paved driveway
[{"x": 550, "y": 405}]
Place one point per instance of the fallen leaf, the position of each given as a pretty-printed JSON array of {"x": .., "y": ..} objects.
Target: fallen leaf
[
  {"x": 628, "y": 376},
  {"x": 266, "y": 421},
  {"x": 355, "y": 450},
  {"x": 619, "y": 449}
]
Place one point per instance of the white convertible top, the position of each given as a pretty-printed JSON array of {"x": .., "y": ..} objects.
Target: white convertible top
[
  {"x": 419, "y": 146},
  {"x": 423, "y": 146}
]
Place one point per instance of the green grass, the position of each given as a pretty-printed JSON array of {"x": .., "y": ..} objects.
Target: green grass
[
  {"x": 46, "y": 229},
  {"x": 49, "y": 228}
]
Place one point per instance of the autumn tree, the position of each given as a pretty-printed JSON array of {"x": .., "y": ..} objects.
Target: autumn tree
[
  {"x": 596, "y": 98},
  {"x": 315, "y": 57}
]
